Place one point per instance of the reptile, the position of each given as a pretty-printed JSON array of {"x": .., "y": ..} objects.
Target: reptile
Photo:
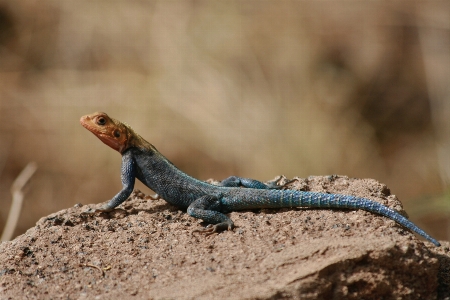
[{"x": 206, "y": 201}]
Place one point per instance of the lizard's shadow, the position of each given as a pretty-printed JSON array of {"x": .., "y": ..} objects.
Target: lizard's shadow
[{"x": 129, "y": 210}]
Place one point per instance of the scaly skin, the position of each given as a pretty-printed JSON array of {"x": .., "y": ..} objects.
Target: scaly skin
[{"x": 141, "y": 160}]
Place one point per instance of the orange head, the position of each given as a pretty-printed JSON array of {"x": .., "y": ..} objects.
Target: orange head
[{"x": 110, "y": 131}]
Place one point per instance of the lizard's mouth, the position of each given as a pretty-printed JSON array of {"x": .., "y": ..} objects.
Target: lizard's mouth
[{"x": 84, "y": 121}]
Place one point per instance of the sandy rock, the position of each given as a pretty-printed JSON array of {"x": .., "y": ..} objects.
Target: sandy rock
[{"x": 146, "y": 251}]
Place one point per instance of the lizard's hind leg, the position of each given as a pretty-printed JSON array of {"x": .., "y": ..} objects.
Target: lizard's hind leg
[
  {"x": 208, "y": 208},
  {"x": 235, "y": 181}
]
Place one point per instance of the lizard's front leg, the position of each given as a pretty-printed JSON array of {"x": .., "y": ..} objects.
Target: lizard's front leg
[
  {"x": 128, "y": 177},
  {"x": 208, "y": 208}
]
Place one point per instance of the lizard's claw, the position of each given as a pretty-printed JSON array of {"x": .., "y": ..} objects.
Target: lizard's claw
[
  {"x": 277, "y": 183},
  {"x": 209, "y": 230},
  {"x": 214, "y": 229},
  {"x": 92, "y": 211},
  {"x": 154, "y": 197},
  {"x": 284, "y": 186}
]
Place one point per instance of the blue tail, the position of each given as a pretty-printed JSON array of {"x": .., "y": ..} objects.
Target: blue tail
[
  {"x": 291, "y": 198},
  {"x": 311, "y": 199}
]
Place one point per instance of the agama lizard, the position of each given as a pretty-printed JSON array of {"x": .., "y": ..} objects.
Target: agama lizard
[{"x": 206, "y": 201}]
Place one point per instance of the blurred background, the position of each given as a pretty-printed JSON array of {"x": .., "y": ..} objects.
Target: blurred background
[{"x": 248, "y": 88}]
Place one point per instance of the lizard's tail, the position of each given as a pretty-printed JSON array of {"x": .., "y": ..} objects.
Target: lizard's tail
[{"x": 289, "y": 198}]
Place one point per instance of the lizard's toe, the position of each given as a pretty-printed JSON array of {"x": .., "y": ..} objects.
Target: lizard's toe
[
  {"x": 92, "y": 211},
  {"x": 89, "y": 211},
  {"x": 207, "y": 231},
  {"x": 214, "y": 229}
]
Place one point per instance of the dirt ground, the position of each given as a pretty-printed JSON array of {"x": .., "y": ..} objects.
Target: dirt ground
[{"x": 148, "y": 251}]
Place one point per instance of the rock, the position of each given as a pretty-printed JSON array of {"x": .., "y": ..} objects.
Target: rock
[{"x": 148, "y": 251}]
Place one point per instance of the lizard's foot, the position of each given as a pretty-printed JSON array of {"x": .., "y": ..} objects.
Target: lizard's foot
[
  {"x": 92, "y": 211},
  {"x": 289, "y": 182},
  {"x": 274, "y": 184},
  {"x": 214, "y": 229}
]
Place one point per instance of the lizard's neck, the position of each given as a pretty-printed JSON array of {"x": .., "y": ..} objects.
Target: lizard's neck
[{"x": 136, "y": 141}]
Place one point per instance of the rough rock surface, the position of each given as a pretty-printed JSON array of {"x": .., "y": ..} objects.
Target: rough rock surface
[{"x": 147, "y": 251}]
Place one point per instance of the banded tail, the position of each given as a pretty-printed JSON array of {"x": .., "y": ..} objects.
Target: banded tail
[
  {"x": 290, "y": 198},
  {"x": 319, "y": 200}
]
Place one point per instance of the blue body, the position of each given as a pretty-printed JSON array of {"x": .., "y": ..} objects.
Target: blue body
[{"x": 210, "y": 202}]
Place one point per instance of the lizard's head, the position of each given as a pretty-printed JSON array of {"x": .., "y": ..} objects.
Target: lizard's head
[{"x": 110, "y": 131}]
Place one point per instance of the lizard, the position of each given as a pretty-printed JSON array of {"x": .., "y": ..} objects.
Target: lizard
[{"x": 206, "y": 201}]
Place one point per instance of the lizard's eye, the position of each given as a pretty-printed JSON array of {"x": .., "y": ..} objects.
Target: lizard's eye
[
  {"x": 116, "y": 133},
  {"x": 101, "y": 121}
]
